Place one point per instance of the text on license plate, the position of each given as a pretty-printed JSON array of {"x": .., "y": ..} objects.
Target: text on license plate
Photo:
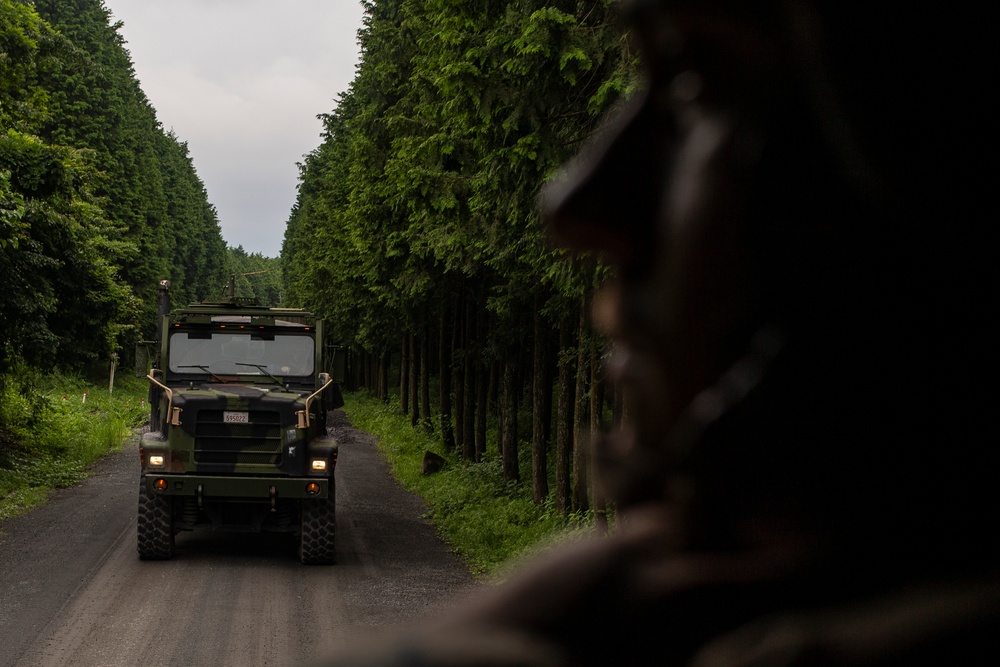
[{"x": 236, "y": 417}]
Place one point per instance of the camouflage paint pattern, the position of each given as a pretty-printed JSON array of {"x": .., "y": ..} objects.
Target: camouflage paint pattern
[{"x": 238, "y": 437}]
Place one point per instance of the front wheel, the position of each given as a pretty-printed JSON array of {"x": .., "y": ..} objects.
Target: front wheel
[
  {"x": 317, "y": 535},
  {"x": 154, "y": 525}
]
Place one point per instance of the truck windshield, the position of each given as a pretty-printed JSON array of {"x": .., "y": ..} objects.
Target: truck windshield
[{"x": 223, "y": 353}]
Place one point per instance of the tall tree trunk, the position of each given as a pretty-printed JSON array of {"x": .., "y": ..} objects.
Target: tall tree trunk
[
  {"x": 482, "y": 383},
  {"x": 541, "y": 408},
  {"x": 458, "y": 370},
  {"x": 371, "y": 363},
  {"x": 383, "y": 375},
  {"x": 362, "y": 370},
  {"x": 354, "y": 367},
  {"x": 369, "y": 372},
  {"x": 470, "y": 412},
  {"x": 414, "y": 417},
  {"x": 482, "y": 386},
  {"x": 493, "y": 389},
  {"x": 497, "y": 370},
  {"x": 564, "y": 418},
  {"x": 425, "y": 381},
  {"x": 581, "y": 495},
  {"x": 444, "y": 370},
  {"x": 361, "y": 379},
  {"x": 469, "y": 384},
  {"x": 404, "y": 375},
  {"x": 508, "y": 415}
]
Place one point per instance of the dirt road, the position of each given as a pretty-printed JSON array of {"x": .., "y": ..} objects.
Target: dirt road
[{"x": 73, "y": 591}]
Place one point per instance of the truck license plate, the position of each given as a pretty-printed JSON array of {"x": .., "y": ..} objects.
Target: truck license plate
[{"x": 236, "y": 417}]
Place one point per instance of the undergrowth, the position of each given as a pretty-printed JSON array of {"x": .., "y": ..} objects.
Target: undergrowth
[
  {"x": 489, "y": 522},
  {"x": 53, "y": 427}
]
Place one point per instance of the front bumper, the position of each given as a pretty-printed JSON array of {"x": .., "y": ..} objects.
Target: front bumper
[{"x": 219, "y": 487}]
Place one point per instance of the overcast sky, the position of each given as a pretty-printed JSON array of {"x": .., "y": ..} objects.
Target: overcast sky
[{"x": 241, "y": 81}]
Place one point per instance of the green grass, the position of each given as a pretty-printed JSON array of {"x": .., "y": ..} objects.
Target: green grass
[
  {"x": 489, "y": 522},
  {"x": 50, "y": 434}
]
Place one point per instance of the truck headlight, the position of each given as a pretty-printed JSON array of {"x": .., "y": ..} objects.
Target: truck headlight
[
  {"x": 155, "y": 460},
  {"x": 318, "y": 465}
]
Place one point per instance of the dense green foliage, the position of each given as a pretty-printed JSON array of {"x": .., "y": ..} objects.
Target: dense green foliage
[
  {"x": 56, "y": 427},
  {"x": 427, "y": 178},
  {"x": 97, "y": 204},
  {"x": 488, "y": 521},
  {"x": 416, "y": 226}
]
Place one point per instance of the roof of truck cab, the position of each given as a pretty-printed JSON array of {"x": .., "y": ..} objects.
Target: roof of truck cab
[
  {"x": 239, "y": 309},
  {"x": 247, "y": 319},
  {"x": 244, "y": 315}
]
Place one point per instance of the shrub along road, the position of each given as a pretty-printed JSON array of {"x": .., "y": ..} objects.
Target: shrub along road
[{"x": 73, "y": 591}]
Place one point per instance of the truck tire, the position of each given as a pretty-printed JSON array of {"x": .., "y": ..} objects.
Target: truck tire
[
  {"x": 154, "y": 525},
  {"x": 317, "y": 535}
]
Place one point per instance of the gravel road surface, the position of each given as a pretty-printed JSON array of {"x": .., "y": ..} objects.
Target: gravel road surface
[{"x": 73, "y": 591}]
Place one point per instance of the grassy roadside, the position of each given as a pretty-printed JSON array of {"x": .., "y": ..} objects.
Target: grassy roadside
[
  {"x": 50, "y": 434},
  {"x": 53, "y": 427},
  {"x": 490, "y": 523}
]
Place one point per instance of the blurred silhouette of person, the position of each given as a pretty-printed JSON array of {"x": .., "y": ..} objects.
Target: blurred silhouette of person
[{"x": 789, "y": 206}]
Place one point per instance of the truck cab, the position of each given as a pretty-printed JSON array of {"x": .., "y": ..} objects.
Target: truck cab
[{"x": 237, "y": 440}]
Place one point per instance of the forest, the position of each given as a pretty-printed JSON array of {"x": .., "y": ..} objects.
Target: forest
[
  {"x": 415, "y": 231},
  {"x": 98, "y": 202}
]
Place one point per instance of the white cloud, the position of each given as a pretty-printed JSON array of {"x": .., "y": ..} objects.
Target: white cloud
[{"x": 242, "y": 81}]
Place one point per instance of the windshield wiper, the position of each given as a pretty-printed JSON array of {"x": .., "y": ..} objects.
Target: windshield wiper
[
  {"x": 262, "y": 369},
  {"x": 206, "y": 369}
]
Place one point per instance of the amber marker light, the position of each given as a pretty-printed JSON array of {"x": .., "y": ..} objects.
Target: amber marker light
[
  {"x": 160, "y": 484},
  {"x": 312, "y": 488}
]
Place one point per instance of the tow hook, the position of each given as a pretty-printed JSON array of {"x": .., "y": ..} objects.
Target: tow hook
[{"x": 274, "y": 498}]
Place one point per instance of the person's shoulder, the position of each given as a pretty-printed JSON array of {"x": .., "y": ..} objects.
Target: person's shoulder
[{"x": 936, "y": 623}]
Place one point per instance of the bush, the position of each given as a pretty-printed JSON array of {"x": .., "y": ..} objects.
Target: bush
[{"x": 52, "y": 427}]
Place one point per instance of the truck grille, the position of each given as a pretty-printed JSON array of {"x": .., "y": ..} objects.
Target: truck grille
[{"x": 255, "y": 443}]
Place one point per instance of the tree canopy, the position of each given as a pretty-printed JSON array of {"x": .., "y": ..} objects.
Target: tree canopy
[
  {"x": 430, "y": 165},
  {"x": 97, "y": 201},
  {"x": 416, "y": 224}
]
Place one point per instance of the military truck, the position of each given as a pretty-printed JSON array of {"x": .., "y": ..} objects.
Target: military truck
[{"x": 237, "y": 440}]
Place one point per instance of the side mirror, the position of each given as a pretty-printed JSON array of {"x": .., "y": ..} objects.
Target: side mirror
[
  {"x": 153, "y": 397},
  {"x": 144, "y": 353}
]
